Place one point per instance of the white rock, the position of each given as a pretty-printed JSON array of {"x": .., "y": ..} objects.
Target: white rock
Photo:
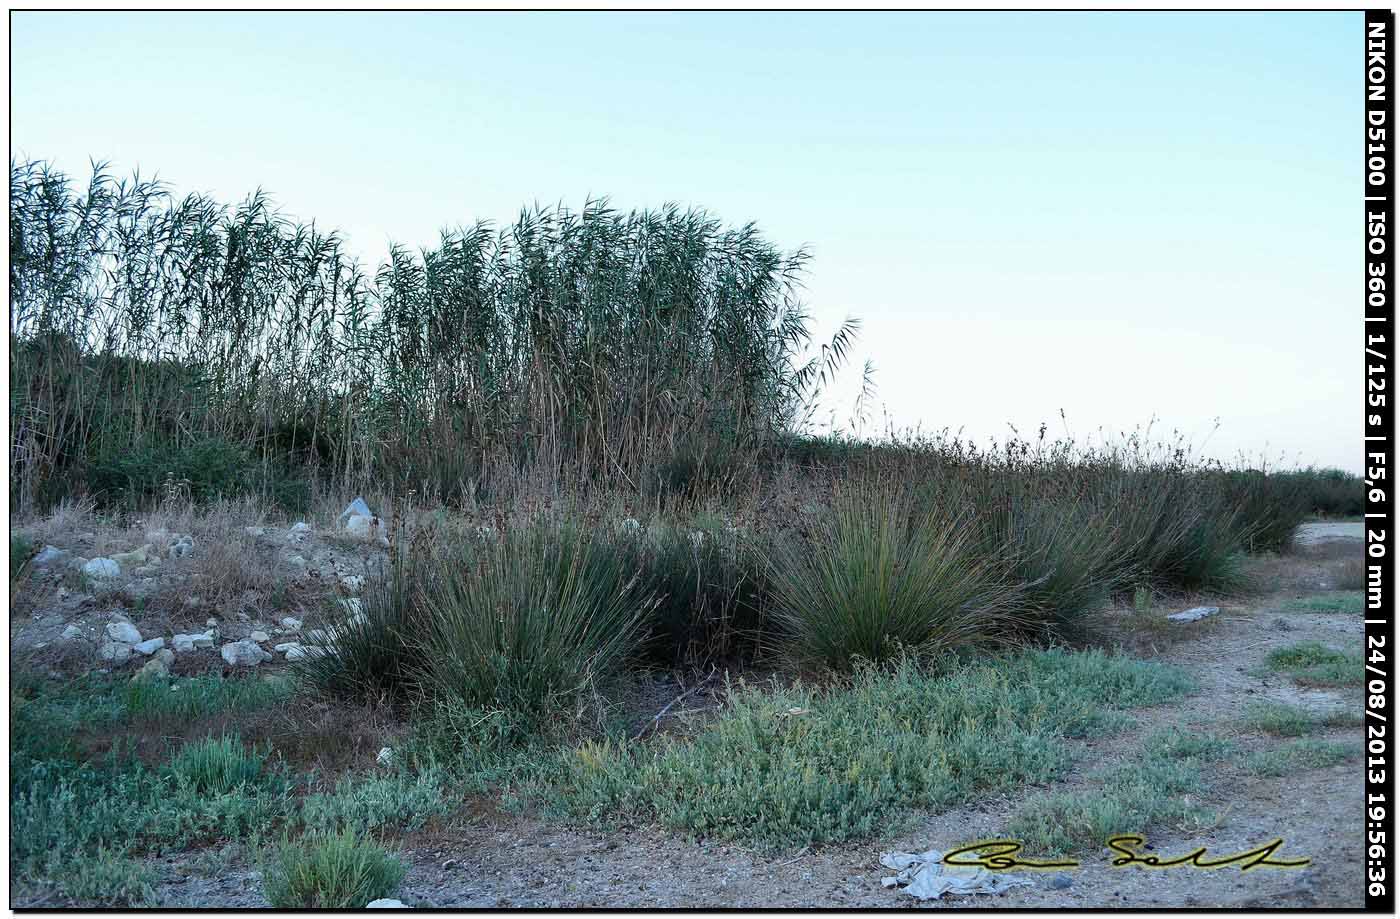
[
  {"x": 71, "y": 633},
  {"x": 291, "y": 622},
  {"x": 385, "y": 903},
  {"x": 299, "y": 531},
  {"x": 1196, "y": 612},
  {"x": 149, "y": 646},
  {"x": 286, "y": 646},
  {"x": 366, "y": 527},
  {"x": 299, "y": 652},
  {"x": 385, "y": 757},
  {"x": 154, "y": 668},
  {"x": 352, "y": 583},
  {"x": 254, "y": 532},
  {"x": 205, "y": 639},
  {"x": 243, "y": 654},
  {"x": 356, "y": 508},
  {"x": 181, "y": 545},
  {"x": 115, "y": 651},
  {"x": 258, "y": 636},
  {"x": 50, "y": 555},
  {"x": 123, "y": 632},
  {"x": 182, "y": 643},
  {"x": 101, "y": 568}
]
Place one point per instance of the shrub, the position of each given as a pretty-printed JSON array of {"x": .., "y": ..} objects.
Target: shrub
[
  {"x": 783, "y": 768},
  {"x": 107, "y": 878},
  {"x": 330, "y": 871},
  {"x": 884, "y": 574},
  {"x": 707, "y": 583},
  {"x": 21, "y": 551},
  {"x": 531, "y": 621},
  {"x": 379, "y": 652}
]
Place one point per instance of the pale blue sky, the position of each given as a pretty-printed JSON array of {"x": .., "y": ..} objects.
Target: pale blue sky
[{"x": 1121, "y": 215}]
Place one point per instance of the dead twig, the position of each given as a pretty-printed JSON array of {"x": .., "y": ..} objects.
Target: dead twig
[{"x": 656, "y": 719}]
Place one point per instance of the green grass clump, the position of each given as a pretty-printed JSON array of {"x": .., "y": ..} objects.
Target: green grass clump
[
  {"x": 884, "y": 576},
  {"x": 783, "y": 768},
  {"x": 1332, "y": 602},
  {"x": 1287, "y": 720},
  {"x": 1130, "y": 798},
  {"x": 1297, "y": 755},
  {"x": 379, "y": 652},
  {"x": 529, "y": 622},
  {"x": 21, "y": 551},
  {"x": 1311, "y": 663},
  {"x": 399, "y": 801},
  {"x": 216, "y": 766},
  {"x": 108, "y": 879},
  {"x": 330, "y": 871},
  {"x": 196, "y": 697}
]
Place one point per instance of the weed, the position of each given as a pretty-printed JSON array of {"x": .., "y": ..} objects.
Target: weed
[
  {"x": 1335, "y": 602},
  {"x": 399, "y": 801},
  {"x": 108, "y": 878},
  {"x": 216, "y": 766},
  {"x": 1312, "y": 663},
  {"x": 1298, "y": 755},
  {"x": 1131, "y": 798},
  {"x": 1292, "y": 721},
  {"x": 330, "y": 871},
  {"x": 784, "y": 768}
]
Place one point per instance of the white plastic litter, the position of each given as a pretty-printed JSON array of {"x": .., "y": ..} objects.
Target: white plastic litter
[{"x": 926, "y": 877}]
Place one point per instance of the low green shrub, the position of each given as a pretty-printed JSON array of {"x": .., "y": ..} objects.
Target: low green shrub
[
  {"x": 1130, "y": 799},
  {"x": 399, "y": 801},
  {"x": 1351, "y": 602},
  {"x": 1298, "y": 755},
  {"x": 1311, "y": 663},
  {"x": 783, "y": 768},
  {"x": 108, "y": 878},
  {"x": 330, "y": 871},
  {"x": 1293, "y": 721}
]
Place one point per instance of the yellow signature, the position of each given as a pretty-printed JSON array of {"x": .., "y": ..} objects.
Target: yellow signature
[{"x": 1001, "y": 855}]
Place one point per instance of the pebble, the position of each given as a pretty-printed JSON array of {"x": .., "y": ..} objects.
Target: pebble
[
  {"x": 101, "y": 568},
  {"x": 149, "y": 646},
  {"x": 258, "y": 636}
]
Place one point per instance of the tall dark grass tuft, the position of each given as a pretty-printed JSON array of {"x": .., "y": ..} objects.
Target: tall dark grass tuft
[
  {"x": 883, "y": 575},
  {"x": 531, "y": 622},
  {"x": 378, "y": 653}
]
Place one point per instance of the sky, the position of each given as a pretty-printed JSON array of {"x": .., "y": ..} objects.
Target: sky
[{"x": 1121, "y": 216}]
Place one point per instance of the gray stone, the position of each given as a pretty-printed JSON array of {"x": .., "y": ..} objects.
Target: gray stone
[
  {"x": 366, "y": 527},
  {"x": 149, "y": 646},
  {"x": 356, "y": 508},
  {"x": 1194, "y": 614},
  {"x": 123, "y": 632},
  {"x": 291, "y": 622},
  {"x": 286, "y": 646},
  {"x": 257, "y": 635},
  {"x": 385, "y": 902},
  {"x": 1061, "y": 882},
  {"x": 352, "y": 583},
  {"x": 154, "y": 668},
  {"x": 299, "y": 531},
  {"x": 50, "y": 555},
  {"x": 102, "y": 568},
  {"x": 71, "y": 633},
  {"x": 136, "y": 557},
  {"x": 243, "y": 654},
  {"x": 117, "y": 652}
]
